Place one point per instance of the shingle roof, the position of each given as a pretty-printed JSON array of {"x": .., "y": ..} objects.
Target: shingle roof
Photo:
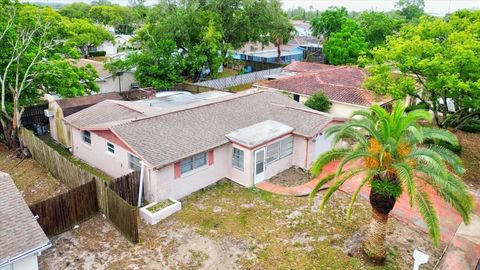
[
  {"x": 173, "y": 135},
  {"x": 72, "y": 105},
  {"x": 19, "y": 231},
  {"x": 339, "y": 83},
  {"x": 107, "y": 113},
  {"x": 102, "y": 72}
]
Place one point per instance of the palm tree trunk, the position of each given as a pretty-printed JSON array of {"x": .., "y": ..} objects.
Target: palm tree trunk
[{"x": 375, "y": 245}]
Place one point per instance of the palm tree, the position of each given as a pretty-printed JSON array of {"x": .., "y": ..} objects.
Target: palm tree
[{"x": 396, "y": 157}]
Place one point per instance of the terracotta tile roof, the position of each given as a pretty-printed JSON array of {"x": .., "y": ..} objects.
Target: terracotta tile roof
[
  {"x": 19, "y": 231},
  {"x": 72, "y": 105},
  {"x": 179, "y": 133},
  {"x": 339, "y": 83}
]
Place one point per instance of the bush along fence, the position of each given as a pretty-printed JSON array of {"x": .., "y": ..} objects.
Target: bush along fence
[
  {"x": 74, "y": 173},
  {"x": 239, "y": 79},
  {"x": 60, "y": 213}
]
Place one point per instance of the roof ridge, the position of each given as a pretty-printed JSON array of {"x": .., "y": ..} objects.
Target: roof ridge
[
  {"x": 197, "y": 105},
  {"x": 123, "y": 104}
]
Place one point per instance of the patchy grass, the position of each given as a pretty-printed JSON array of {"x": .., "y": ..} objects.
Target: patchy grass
[
  {"x": 34, "y": 182},
  {"x": 227, "y": 72},
  {"x": 471, "y": 157},
  {"x": 160, "y": 205},
  {"x": 241, "y": 87},
  {"x": 238, "y": 228}
]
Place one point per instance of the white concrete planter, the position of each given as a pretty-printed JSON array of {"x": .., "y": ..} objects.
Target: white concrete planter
[{"x": 154, "y": 218}]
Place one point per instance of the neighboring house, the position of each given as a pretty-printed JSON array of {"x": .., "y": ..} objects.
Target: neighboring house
[
  {"x": 268, "y": 53},
  {"x": 247, "y": 137},
  {"x": 341, "y": 84},
  {"x": 123, "y": 41},
  {"x": 106, "y": 81},
  {"x": 59, "y": 109},
  {"x": 21, "y": 238},
  {"x": 107, "y": 46}
]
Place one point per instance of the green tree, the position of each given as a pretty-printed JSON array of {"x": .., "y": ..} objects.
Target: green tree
[
  {"x": 377, "y": 26},
  {"x": 433, "y": 61},
  {"x": 329, "y": 21},
  {"x": 319, "y": 101},
  {"x": 76, "y": 10},
  {"x": 160, "y": 66},
  {"x": 120, "y": 17},
  {"x": 395, "y": 159},
  {"x": 346, "y": 45},
  {"x": 32, "y": 47},
  {"x": 280, "y": 29},
  {"x": 412, "y": 10},
  {"x": 85, "y": 34}
]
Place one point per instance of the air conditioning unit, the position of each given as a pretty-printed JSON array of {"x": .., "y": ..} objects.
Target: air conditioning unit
[{"x": 48, "y": 113}]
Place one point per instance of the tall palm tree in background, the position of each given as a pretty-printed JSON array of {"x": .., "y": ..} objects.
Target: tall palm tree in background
[{"x": 396, "y": 158}]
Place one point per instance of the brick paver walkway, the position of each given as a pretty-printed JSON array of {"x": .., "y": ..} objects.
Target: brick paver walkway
[{"x": 464, "y": 241}]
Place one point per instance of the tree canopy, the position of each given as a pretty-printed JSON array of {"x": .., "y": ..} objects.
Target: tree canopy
[
  {"x": 435, "y": 61},
  {"x": 329, "y": 21},
  {"x": 346, "y": 45},
  {"x": 34, "y": 47}
]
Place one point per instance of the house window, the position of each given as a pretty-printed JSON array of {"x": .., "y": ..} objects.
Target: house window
[
  {"x": 193, "y": 162},
  {"x": 273, "y": 151},
  {"x": 286, "y": 147},
  {"x": 86, "y": 136},
  {"x": 110, "y": 148},
  {"x": 134, "y": 163},
  {"x": 237, "y": 158},
  {"x": 280, "y": 149}
]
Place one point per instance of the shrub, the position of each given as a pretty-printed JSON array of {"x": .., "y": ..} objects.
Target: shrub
[
  {"x": 319, "y": 101},
  {"x": 420, "y": 106},
  {"x": 471, "y": 126},
  {"x": 97, "y": 53}
]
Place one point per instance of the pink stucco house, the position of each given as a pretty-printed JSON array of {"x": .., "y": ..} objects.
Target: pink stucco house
[{"x": 246, "y": 137}]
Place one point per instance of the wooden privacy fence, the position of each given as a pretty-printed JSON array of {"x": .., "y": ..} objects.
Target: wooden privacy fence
[
  {"x": 127, "y": 187},
  {"x": 122, "y": 215},
  {"x": 74, "y": 173},
  {"x": 60, "y": 213},
  {"x": 34, "y": 115}
]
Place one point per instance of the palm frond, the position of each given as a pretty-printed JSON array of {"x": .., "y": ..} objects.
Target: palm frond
[
  {"x": 319, "y": 185},
  {"x": 327, "y": 157},
  {"x": 452, "y": 190},
  {"x": 338, "y": 183},
  {"x": 439, "y": 134},
  {"x": 405, "y": 174},
  {"x": 430, "y": 157},
  {"x": 451, "y": 158},
  {"x": 356, "y": 154},
  {"x": 357, "y": 190},
  {"x": 429, "y": 215}
]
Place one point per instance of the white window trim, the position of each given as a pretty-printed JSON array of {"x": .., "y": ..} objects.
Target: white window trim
[
  {"x": 201, "y": 168},
  {"x": 83, "y": 137},
  {"x": 280, "y": 157},
  {"x": 243, "y": 164},
  {"x": 108, "y": 152}
]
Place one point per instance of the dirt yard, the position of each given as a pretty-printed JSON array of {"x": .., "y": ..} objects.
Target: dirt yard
[
  {"x": 33, "y": 181},
  {"x": 471, "y": 158},
  {"x": 229, "y": 227},
  {"x": 291, "y": 177}
]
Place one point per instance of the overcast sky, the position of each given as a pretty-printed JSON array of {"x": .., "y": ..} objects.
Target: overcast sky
[
  {"x": 439, "y": 7},
  {"x": 435, "y": 7}
]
